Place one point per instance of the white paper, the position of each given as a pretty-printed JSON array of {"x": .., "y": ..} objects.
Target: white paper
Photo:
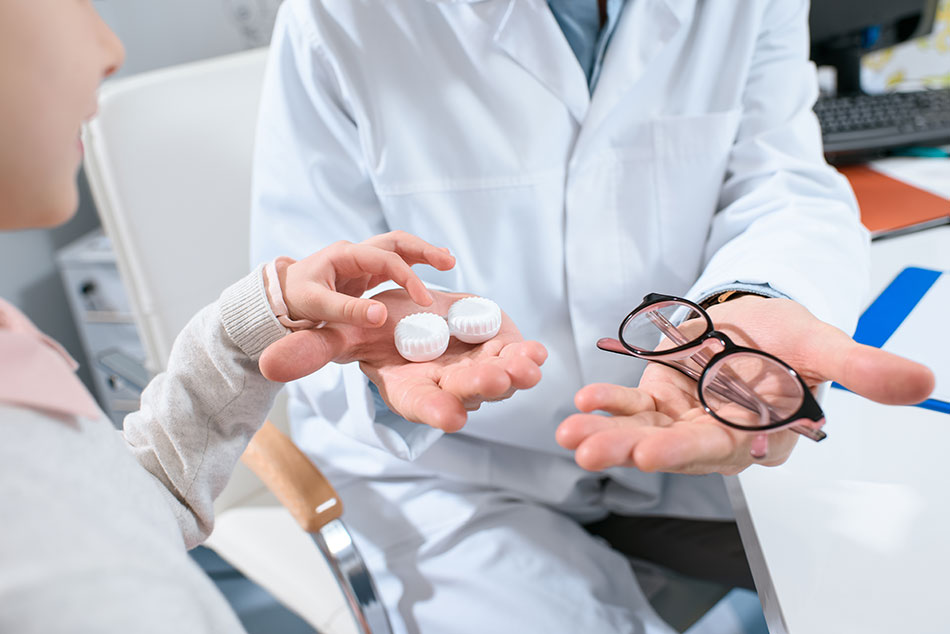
[
  {"x": 930, "y": 175},
  {"x": 924, "y": 335}
]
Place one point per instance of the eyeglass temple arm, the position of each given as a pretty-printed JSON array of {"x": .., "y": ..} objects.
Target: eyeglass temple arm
[{"x": 730, "y": 387}]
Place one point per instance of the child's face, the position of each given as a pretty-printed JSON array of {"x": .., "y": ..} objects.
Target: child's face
[{"x": 53, "y": 55}]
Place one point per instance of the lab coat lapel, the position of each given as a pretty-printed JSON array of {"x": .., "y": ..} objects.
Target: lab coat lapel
[
  {"x": 529, "y": 34},
  {"x": 645, "y": 28}
]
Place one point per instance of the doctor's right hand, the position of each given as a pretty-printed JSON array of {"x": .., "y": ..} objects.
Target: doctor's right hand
[{"x": 438, "y": 393}]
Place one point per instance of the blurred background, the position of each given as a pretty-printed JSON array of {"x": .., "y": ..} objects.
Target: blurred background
[{"x": 922, "y": 63}]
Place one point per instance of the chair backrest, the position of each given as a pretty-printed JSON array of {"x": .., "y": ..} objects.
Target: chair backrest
[{"x": 169, "y": 163}]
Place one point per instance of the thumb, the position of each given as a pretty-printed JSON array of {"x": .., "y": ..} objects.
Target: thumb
[
  {"x": 871, "y": 372},
  {"x": 300, "y": 353}
]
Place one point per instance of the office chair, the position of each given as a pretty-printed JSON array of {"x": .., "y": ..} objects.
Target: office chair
[{"x": 168, "y": 160}]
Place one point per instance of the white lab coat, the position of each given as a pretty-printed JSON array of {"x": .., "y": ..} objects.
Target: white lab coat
[{"x": 696, "y": 164}]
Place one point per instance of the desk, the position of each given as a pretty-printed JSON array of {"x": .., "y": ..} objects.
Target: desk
[{"x": 853, "y": 534}]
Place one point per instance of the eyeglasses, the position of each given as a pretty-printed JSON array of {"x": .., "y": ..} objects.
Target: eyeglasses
[{"x": 743, "y": 388}]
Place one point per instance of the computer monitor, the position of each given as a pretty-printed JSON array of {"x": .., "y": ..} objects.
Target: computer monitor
[{"x": 842, "y": 31}]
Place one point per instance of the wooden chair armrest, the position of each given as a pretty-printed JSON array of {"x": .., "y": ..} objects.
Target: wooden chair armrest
[{"x": 292, "y": 478}]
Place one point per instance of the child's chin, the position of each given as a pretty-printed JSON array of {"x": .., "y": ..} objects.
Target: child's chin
[{"x": 58, "y": 211}]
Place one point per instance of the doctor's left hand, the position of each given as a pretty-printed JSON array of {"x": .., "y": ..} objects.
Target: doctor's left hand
[
  {"x": 661, "y": 424},
  {"x": 438, "y": 393}
]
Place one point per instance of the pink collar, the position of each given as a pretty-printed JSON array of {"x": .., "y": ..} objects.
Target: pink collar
[{"x": 36, "y": 372}]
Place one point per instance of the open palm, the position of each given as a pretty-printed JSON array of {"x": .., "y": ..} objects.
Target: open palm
[
  {"x": 439, "y": 392},
  {"x": 661, "y": 426}
]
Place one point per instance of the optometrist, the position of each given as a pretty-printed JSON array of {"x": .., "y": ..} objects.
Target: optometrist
[{"x": 574, "y": 156}]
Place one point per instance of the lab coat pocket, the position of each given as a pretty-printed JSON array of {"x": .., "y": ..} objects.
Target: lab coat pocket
[{"x": 691, "y": 157}]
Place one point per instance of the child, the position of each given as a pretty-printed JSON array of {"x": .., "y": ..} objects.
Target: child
[{"x": 91, "y": 540}]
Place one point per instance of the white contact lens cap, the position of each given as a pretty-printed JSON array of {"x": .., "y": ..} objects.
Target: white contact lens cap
[
  {"x": 422, "y": 337},
  {"x": 474, "y": 319}
]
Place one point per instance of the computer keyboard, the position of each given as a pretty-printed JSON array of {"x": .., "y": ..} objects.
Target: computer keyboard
[{"x": 856, "y": 127}]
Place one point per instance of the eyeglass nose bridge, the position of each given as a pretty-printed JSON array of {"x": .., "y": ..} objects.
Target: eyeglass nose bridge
[
  {"x": 706, "y": 347},
  {"x": 726, "y": 344}
]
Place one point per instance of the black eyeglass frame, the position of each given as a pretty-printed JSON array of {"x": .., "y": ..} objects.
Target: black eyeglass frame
[{"x": 809, "y": 409}]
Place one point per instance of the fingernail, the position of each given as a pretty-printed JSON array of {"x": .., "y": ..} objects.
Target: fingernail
[{"x": 376, "y": 313}]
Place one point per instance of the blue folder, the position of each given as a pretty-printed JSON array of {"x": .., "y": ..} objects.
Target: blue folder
[{"x": 890, "y": 309}]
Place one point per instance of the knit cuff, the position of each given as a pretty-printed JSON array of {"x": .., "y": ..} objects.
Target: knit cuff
[
  {"x": 754, "y": 288},
  {"x": 247, "y": 316}
]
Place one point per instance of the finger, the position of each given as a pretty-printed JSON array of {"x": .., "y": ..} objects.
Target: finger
[
  {"x": 873, "y": 373},
  {"x": 700, "y": 447},
  {"x": 358, "y": 259},
  {"x": 886, "y": 378},
  {"x": 336, "y": 307},
  {"x": 413, "y": 249},
  {"x": 611, "y": 447},
  {"x": 523, "y": 372},
  {"x": 300, "y": 353},
  {"x": 614, "y": 399},
  {"x": 475, "y": 383},
  {"x": 490, "y": 381},
  {"x": 576, "y": 428},
  {"x": 427, "y": 403},
  {"x": 533, "y": 350}
]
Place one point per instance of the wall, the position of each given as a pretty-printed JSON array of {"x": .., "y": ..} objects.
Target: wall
[{"x": 174, "y": 31}]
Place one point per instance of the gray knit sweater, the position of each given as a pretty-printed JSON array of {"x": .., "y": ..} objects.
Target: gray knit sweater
[{"x": 94, "y": 523}]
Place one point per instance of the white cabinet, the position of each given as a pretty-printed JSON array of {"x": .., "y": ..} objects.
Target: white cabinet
[{"x": 103, "y": 317}]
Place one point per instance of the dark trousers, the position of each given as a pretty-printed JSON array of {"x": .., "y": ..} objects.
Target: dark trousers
[
  {"x": 707, "y": 550},
  {"x": 684, "y": 567}
]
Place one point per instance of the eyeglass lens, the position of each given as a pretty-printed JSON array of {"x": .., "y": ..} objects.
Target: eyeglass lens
[
  {"x": 646, "y": 330},
  {"x": 777, "y": 393}
]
